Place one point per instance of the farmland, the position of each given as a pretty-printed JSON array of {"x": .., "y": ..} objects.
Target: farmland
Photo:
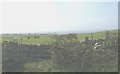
[
  {"x": 48, "y": 37},
  {"x": 89, "y": 52}
]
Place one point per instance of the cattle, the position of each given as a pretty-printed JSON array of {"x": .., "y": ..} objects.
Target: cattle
[
  {"x": 35, "y": 37},
  {"x": 15, "y": 39},
  {"x": 21, "y": 39},
  {"x": 28, "y": 38},
  {"x": 5, "y": 41}
]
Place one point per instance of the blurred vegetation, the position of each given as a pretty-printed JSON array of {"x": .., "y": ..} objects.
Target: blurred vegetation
[{"x": 92, "y": 52}]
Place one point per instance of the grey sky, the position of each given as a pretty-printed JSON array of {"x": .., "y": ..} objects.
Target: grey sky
[{"x": 59, "y": 17}]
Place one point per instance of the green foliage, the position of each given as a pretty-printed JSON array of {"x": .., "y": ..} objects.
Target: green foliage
[{"x": 68, "y": 53}]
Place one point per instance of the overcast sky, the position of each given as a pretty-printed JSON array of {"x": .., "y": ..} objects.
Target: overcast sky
[{"x": 46, "y": 17}]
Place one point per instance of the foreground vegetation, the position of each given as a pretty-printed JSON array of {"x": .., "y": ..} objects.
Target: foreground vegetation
[{"x": 96, "y": 52}]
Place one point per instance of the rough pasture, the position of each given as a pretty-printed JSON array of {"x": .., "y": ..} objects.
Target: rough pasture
[
  {"x": 41, "y": 39},
  {"x": 66, "y": 55}
]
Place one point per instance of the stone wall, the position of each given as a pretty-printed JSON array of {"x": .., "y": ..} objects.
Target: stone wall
[{"x": 14, "y": 55}]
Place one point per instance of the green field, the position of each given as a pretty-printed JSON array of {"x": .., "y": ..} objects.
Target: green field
[
  {"x": 48, "y": 37},
  {"x": 45, "y": 65}
]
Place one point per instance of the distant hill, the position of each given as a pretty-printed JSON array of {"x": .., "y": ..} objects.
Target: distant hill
[{"x": 96, "y": 35}]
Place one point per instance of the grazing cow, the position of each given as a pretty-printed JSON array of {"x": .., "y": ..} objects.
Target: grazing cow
[
  {"x": 15, "y": 39},
  {"x": 35, "y": 37},
  {"x": 5, "y": 41},
  {"x": 28, "y": 38}
]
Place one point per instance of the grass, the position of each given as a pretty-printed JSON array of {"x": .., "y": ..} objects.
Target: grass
[
  {"x": 48, "y": 38},
  {"x": 96, "y": 35},
  {"x": 32, "y": 40},
  {"x": 45, "y": 65},
  {"x": 39, "y": 66}
]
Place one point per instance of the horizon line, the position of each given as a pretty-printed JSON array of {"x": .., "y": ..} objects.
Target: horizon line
[{"x": 62, "y": 32}]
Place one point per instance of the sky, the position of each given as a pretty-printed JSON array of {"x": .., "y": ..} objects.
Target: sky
[{"x": 45, "y": 17}]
